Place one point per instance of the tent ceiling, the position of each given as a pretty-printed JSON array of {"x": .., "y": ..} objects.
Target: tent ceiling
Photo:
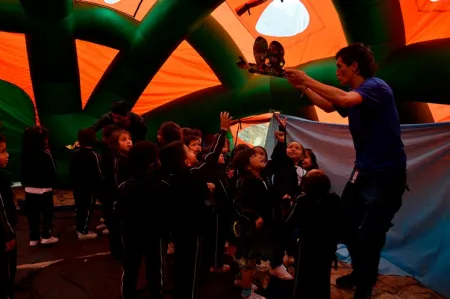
[{"x": 186, "y": 72}]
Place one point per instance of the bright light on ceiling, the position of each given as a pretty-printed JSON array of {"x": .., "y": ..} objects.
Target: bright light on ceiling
[
  {"x": 111, "y": 1},
  {"x": 283, "y": 19}
]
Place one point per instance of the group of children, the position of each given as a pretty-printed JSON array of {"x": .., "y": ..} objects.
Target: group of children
[{"x": 182, "y": 198}]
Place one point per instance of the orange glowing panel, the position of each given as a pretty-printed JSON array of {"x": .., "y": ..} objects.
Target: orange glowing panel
[
  {"x": 144, "y": 9},
  {"x": 125, "y": 6},
  {"x": 93, "y": 60},
  {"x": 183, "y": 73},
  {"x": 425, "y": 19},
  {"x": 14, "y": 61},
  {"x": 225, "y": 15},
  {"x": 319, "y": 31}
]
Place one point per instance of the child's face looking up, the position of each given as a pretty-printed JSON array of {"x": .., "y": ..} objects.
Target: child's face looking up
[
  {"x": 195, "y": 146},
  {"x": 295, "y": 152},
  {"x": 125, "y": 142},
  {"x": 257, "y": 162},
  {"x": 191, "y": 158},
  {"x": 306, "y": 162},
  {"x": 261, "y": 152},
  {"x": 221, "y": 159}
]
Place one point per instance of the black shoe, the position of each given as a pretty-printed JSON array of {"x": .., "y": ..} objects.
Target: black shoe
[
  {"x": 347, "y": 281},
  {"x": 363, "y": 293}
]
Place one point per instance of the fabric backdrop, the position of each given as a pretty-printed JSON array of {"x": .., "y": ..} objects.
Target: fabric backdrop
[{"x": 419, "y": 243}]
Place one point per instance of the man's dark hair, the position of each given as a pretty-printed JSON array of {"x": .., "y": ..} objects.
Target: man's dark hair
[
  {"x": 142, "y": 156},
  {"x": 2, "y": 138},
  {"x": 360, "y": 54},
  {"x": 121, "y": 108},
  {"x": 87, "y": 137}
]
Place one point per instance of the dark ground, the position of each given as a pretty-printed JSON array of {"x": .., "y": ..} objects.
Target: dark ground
[{"x": 84, "y": 269}]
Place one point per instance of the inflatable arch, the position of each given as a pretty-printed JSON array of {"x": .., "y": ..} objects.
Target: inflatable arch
[{"x": 417, "y": 72}]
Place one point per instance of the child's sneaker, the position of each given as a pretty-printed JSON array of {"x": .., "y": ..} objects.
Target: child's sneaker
[
  {"x": 51, "y": 240},
  {"x": 281, "y": 273},
  {"x": 33, "y": 243},
  {"x": 89, "y": 236}
]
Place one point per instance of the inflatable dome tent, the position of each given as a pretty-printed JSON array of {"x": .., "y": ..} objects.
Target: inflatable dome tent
[{"x": 63, "y": 62}]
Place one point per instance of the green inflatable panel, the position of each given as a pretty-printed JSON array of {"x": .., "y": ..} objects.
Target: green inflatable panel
[
  {"x": 16, "y": 113},
  {"x": 52, "y": 56},
  {"x": 132, "y": 69}
]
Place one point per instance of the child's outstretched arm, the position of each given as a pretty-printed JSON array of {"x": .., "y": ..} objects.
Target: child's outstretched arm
[{"x": 216, "y": 149}]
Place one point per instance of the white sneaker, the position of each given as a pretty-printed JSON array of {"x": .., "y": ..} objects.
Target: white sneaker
[
  {"x": 51, "y": 240},
  {"x": 89, "y": 236},
  {"x": 281, "y": 273},
  {"x": 253, "y": 295},
  {"x": 101, "y": 227},
  {"x": 33, "y": 243}
]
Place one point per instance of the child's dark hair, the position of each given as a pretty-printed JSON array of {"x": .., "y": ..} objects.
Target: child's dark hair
[
  {"x": 172, "y": 157},
  {"x": 238, "y": 148},
  {"x": 2, "y": 138},
  {"x": 143, "y": 157},
  {"x": 186, "y": 132},
  {"x": 316, "y": 182},
  {"x": 121, "y": 108},
  {"x": 188, "y": 139},
  {"x": 34, "y": 139},
  {"x": 310, "y": 153},
  {"x": 108, "y": 130},
  {"x": 196, "y": 132},
  {"x": 170, "y": 131},
  {"x": 242, "y": 159},
  {"x": 87, "y": 137}
]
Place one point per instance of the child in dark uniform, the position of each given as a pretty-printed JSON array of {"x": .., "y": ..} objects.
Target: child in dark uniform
[
  {"x": 87, "y": 178},
  {"x": 8, "y": 219},
  {"x": 141, "y": 201},
  {"x": 254, "y": 224},
  {"x": 218, "y": 219},
  {"x": 187, "y": 197},
  {"x": 37, "y": 175},
  {"x": 116, "y": 171},
  {"x": 316, "y": 214}
]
